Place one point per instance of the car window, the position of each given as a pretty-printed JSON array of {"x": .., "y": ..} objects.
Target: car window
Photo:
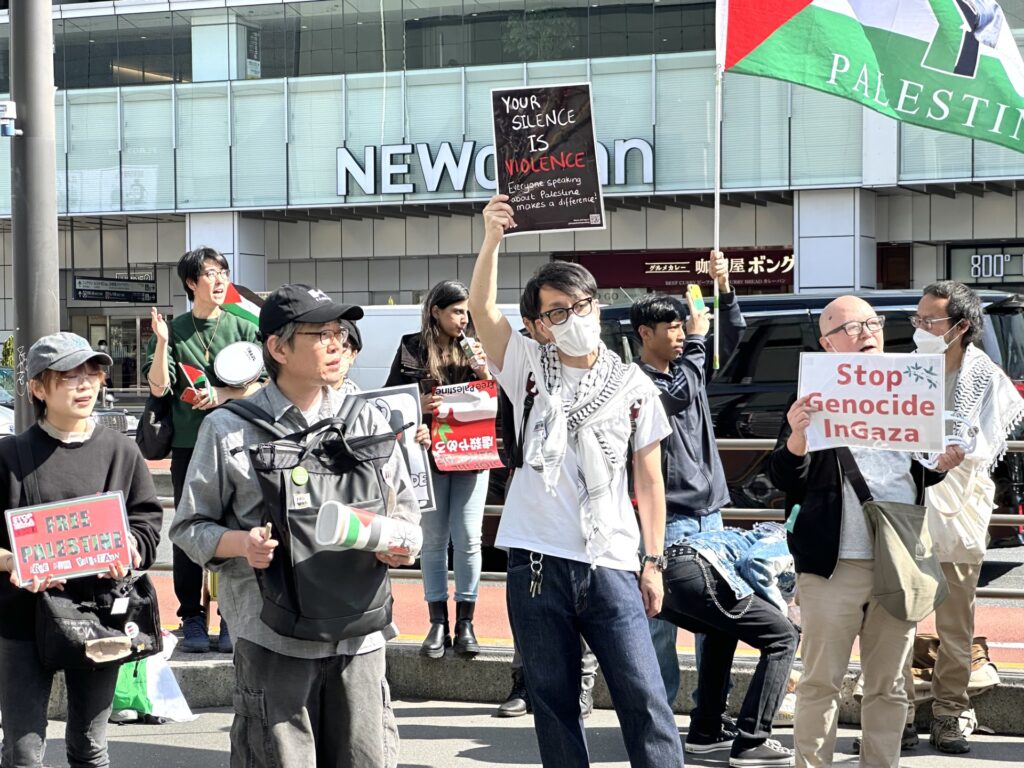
[
  {"x": 769, "y": 351},
  {"x": 1009, "y": 333}
]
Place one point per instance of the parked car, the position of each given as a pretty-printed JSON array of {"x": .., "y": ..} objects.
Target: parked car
[{"x": 750, "y": 394}]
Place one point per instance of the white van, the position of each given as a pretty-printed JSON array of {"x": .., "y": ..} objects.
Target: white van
[{"x": 383, "y": 327}]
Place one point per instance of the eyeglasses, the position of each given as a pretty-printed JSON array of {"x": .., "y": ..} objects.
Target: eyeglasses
[
  {"x": 213, "y": 274},
  {"x": 926, "y": 322},
  {"x": 74, "y": 380},
  {"x": 856, "y": 327},
  {"x": 582, "y": 308},
  {"x": 348, "y": 349},
  {"x": 327, "y": 335}
]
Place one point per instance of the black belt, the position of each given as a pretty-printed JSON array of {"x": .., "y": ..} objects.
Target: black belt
[{"x": 682, "y": 552}]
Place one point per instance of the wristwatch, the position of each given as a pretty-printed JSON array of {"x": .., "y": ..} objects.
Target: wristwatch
[{"x": 658, "y": 560}]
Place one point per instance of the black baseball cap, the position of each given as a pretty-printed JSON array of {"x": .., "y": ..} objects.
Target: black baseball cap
[
  {"x": 298, "y": 303},
  {"x": 354, "y": 337}
]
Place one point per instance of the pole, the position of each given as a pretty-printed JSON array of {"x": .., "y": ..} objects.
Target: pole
[
  {"x": 718, "y": 201},
  {"x": 33, "y": 188}
]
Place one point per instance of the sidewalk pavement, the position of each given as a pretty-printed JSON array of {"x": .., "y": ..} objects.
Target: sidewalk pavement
[{"x": 438, "y": 734}]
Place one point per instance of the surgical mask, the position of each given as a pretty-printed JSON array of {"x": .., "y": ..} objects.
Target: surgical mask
[
  {"x": 929, "y": 344},
  {"x": 578, "y": 336}
]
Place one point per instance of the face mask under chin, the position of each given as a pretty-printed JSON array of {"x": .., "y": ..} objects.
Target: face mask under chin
[{"x": 577, "y": 336}]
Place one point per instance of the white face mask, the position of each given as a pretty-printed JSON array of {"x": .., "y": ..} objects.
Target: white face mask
[
  {"x": 929, "y": 344},
  {"x": 578, "y": 336}
]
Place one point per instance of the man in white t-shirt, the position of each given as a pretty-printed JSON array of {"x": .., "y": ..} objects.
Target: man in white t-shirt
[{"x": 568, "y": 522}]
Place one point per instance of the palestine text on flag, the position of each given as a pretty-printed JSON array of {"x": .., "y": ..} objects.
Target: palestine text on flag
[
  {"x": 240, "y": 306},
  {"x": 951, "y": 65}
]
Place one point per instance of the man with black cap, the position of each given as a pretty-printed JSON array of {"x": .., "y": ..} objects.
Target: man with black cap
[
  {"x": 297, "y": 702},
  {"x": 349, "y": 352}
]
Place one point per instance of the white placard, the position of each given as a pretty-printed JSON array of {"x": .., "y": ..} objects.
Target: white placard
[{"x": 888, "y": 401}]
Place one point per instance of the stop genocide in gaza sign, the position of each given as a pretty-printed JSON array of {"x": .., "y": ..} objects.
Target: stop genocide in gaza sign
[
  {"x": 69, "y": 539},
  {"x": 886, "y": 401}
]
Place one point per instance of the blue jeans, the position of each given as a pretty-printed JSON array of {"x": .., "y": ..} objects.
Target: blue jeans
[
  {"x": 459, "y": 516},
  {"x": 24, "y": 698},
  {"x": 663, "y": 633},
  {"x": 603, "y": 606}
]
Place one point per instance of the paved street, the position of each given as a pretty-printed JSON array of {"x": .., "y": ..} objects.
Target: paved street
[{"x": 437, "y": 734}]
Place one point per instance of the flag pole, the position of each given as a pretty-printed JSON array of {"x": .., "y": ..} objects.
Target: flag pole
[{"x": 718, "y": 201}]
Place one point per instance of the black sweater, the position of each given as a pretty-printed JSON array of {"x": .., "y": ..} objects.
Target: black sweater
[
  {"x": 107, "y": 461},
  {"x": 815, "y": 482}
]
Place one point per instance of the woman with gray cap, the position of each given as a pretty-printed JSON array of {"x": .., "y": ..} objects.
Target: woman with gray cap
[{"x": 72, "y": 456}]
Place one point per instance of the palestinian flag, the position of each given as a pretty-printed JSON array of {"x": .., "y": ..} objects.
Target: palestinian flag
[
  {"x": 242, "y": 303},
  {"x": 362, "y": 530},
  {"x": 196, "y": 377},
  {"x": 951, "y": 65}
]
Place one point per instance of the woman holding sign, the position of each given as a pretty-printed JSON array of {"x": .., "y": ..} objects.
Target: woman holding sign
[
  {"x": 180, "y": 362},
  {"x": 72, "y": 456},
  {"x": 440, "y": 354}
]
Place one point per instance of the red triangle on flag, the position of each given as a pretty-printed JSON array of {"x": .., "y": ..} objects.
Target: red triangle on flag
[
  {"x": 751, "y": 22},
  {"x": 232, "y": 296}
]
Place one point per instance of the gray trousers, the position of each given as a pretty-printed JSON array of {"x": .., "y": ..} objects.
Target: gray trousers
[
  {"x": 300, "y": 713},
  {"x": 24, "y": 698}
]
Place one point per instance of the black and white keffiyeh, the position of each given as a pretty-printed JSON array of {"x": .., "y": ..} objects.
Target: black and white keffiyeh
[
  {"x": 597, "y": 421},
  {"x": 986, "y": 406}
]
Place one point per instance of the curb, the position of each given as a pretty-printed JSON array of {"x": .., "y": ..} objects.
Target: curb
[{"x": 208, "y": 681}]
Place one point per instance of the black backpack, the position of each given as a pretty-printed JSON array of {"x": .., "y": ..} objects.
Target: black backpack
[{"x": 312, "y": 592}]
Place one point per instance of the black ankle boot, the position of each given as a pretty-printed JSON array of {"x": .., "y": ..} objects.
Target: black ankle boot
[
  {"x": 437, "y": 638},
  {"x": 465, "y": 640}
]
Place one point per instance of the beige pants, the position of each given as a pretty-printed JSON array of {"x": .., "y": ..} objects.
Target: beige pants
[
  {"x": 954, "y": 624},
  {"x": 833, "y": 613}
]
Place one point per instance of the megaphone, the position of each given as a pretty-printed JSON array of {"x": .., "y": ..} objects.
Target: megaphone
[{"x": 339, "y": 525}]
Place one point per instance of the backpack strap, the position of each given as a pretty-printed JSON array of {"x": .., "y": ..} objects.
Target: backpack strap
[
  {"x": 255, "y": 415},
  {"x": 28, "y": 468},
  {"x": 531, "y": 395}
]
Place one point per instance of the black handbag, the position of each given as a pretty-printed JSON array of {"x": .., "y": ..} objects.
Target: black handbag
[
  {"x": 156, "y": 426},
  {"x": 91, "y": 623}
]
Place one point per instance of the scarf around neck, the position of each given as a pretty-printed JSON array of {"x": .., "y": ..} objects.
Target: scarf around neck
[
  {"x": 987, "y": 405},
  {"x": 597, "y": 422}
]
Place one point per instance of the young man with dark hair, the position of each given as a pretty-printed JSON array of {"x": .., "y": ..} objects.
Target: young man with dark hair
[
  {"x": 568, "y": 524},
  {"x": 674, "y": 355},
  {"x": 194, "y": 338},
  {"x": 298, "y": 703},
  {"x": 987, "y": 408}
]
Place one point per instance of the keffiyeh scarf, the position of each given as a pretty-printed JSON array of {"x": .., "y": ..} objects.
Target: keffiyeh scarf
[
  {"x": 987, "y": 407},
  {"x": 596, "y": 420}
]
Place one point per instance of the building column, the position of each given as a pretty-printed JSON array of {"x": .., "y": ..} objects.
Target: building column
[
  {"x": 240, "y": 239},
  {"x": 834, "y": 239}
]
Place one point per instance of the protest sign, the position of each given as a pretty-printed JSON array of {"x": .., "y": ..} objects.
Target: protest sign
[
  {"x": 463, "y": 433},
  {"x": 400, "y": 406},
  {"x": 69, "y": 539},
  {"x": 546, "y": 157},
  {"x": 886, "y": 401}
]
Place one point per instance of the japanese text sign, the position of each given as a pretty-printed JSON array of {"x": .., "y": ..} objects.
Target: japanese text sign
[
  {"x": 463, "y": 433},
  {"x": 888, "y": 401},
  {"x": 400, "y": 406},
  {"x": 69, "y": 539},
  {"x": 546, "y": 157}
]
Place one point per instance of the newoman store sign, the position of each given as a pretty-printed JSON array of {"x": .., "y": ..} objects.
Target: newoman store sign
[{"x": 392, "y": 163}]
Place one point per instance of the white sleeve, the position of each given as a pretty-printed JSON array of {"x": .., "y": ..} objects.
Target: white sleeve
[
  {"x": 513, "y": 374},
  {"x": 652, "y": 425}
]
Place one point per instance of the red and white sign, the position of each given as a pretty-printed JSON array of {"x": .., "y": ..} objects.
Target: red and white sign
[
  {"x": 462, "y": 435},
  {"x": 891, "y": 402},
  {"x": 69, "y": 539}
]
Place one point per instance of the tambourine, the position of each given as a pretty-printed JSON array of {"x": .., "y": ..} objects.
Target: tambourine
[{"x": 239, "y": 364}]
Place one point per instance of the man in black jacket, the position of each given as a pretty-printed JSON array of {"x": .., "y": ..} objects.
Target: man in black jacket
[
  {"x": 834, "y": 557},
  {"x": 677, "y": 360}
]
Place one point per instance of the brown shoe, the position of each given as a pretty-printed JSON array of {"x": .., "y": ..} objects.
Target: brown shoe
[{"x": 947, "y": 737}]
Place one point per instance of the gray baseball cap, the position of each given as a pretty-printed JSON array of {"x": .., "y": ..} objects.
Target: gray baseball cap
[{"x": 62, "y": 352}]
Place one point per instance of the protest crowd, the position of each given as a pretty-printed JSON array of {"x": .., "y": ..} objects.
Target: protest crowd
[{"x": 627, "y": 547}]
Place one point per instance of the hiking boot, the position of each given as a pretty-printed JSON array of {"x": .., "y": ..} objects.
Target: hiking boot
[
  {"x": 768, "y": 753},
  {"x": 908, "y": 740},
  {"x": 947, "y": 737},
  {"x": 224, "y": 644},
  {"x": 465, "y": 639},
  {"x": 196, "y": 638},
  {"x": 438, "y": 638},
  {"x": 701, "y": 744},
  {"x": 518, "y": 702},
  {"x": 586, "y": 703}
]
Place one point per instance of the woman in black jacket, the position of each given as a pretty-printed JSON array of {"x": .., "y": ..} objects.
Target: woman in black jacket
[
  {"x": 431, "y": 358},
  {"x": 73, "y": 457}
]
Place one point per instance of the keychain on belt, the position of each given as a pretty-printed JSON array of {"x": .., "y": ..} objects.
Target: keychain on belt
[{"x": 536, "y": 573}]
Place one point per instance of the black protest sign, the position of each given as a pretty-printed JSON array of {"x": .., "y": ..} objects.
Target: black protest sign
[{"x": 546, "y": 157}]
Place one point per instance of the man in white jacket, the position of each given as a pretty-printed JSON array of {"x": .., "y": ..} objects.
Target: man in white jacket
[{"x": 986, "y": 408}]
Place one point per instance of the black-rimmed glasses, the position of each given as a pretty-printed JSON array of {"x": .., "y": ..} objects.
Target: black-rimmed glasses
[
  {"x": 856, "y": 327},
  {"x": 558, "y": 316}
]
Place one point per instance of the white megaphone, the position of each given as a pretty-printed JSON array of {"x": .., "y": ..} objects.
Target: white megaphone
[{"x": 339, "y": 525}]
